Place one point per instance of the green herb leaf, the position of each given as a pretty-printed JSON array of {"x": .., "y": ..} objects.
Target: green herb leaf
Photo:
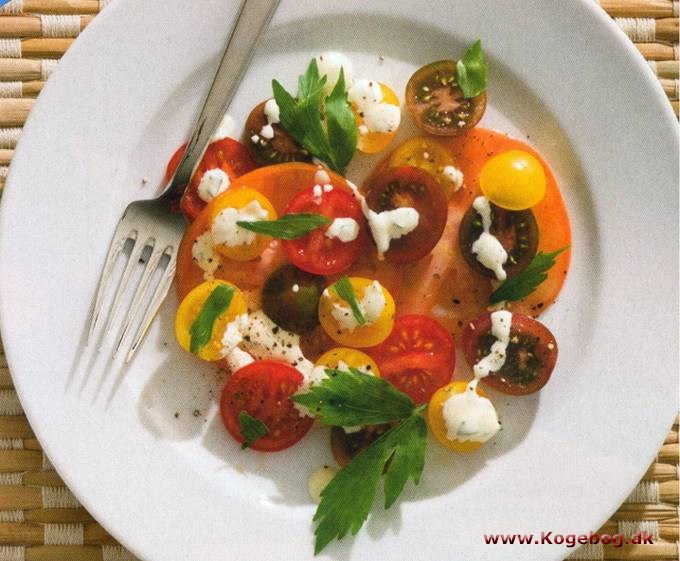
[
  {"x": 472, "y": 71},
  {"x": 251, "y": 429},
  {"x": 525, "y": 282},
  {"x": 288, "y": 227},
  {"x": 331, "y": 139},
  {"x": 347, "y": 500},
  {"x": 216, "y": 304},
  {"x": 343, "y": 288},
  {"x": 354, "y": 398}
]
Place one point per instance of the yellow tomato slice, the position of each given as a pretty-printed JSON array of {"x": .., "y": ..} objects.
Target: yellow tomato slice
[
  {"x": 191, "y": 306},
  {"x": 351, "y": 357},
  {"x": 363, "y": 335},
  {"x": 239, "y": 198},
  {"x": 373, "y": 142},
  {"x": 435, "y": 417},
  {"x": 514, "y": 180},
  {"x": 430, "y": 155}
]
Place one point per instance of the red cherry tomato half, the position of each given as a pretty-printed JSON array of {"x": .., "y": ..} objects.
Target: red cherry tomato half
[
  {"x": 227, "y": 154},
  {"x": 418, "y": 357},
  {"x": 314, "y": 252},
  {"x": 262, "y": 389},
  {"x": 530, "y": 356},
  {"x": 407, "y": 186}
]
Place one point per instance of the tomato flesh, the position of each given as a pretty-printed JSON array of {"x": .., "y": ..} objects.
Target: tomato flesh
[
  {"x": 226, "y": 154},
  {"x": 315, "y": 252},
  {"x": 407, "y": 186},
  {"x": 418, "y": 357},
  {"x": 530, "y": 357},
  {"x": 262, "y": 389}
]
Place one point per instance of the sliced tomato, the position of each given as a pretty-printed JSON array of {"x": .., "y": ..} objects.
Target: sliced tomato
[
  {"x": 345, "y": 446},
  {"x": 407, "y": 186},
  {"x": 262, "y": 389},
  {"x": 530, "y": 357},
  {"x": 315, "y": 252},
  {"x": 418, "y": 357},
  {"x": 228, "y": 154}
]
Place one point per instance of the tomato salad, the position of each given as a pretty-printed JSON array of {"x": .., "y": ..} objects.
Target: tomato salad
[{"x": 302, "y": 285}]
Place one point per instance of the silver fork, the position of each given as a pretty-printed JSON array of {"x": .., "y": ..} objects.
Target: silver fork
[{"x": 149, "y": 227}]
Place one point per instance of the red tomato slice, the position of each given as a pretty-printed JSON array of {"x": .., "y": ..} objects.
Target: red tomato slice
[
  {"x": 530, "y": 356},
  {"x": 262, "y": 389},
  {"x": 418, "y": 357},
  {"x": 227, "y": 154},
  {"x": 316, "y": 253},
  {"x": 407, "y": 186}
]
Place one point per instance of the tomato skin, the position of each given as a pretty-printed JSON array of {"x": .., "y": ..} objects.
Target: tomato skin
[
  {"x": 353, "y": 358},
  {"x": 314, "y": 252},
  {"x": 529, "y": 332},
  {"x": 262, "y": 389},
  {"x": 436, "y": 103},
  {"x": 407, "y": 186},
  {"x": 514, "y": 180},
  {"x": 418, "y": 357},
  {"x": 227, "y": 154}
]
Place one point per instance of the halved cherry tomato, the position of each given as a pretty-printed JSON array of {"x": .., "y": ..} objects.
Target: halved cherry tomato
[
  {"x": 516, "y": 230},
  {"x": 430, "y": 155},
  {"x": 373, "y": 142},
  {"x": 280, "y": 149},
  {"x": 418, "y": 357},
  {"x": 351, "y": 358},
  {"x": 345, "y": 446},
  {"x": 514, "y": 180},
  {"x": 314, "y": 252},
  {"x": 362, "y": 335},
  {"x": 435, "y": 417},
  {"x": 227, "y": 154},
  {"x": 530, "y": 357},
  {"x": 191, "y": 306},
  {"x": 408, "y": 186},
  {"x": 262, "y": 389},
  {"x": 238, "y": 198},
  {"x": 436, "y": 103}
]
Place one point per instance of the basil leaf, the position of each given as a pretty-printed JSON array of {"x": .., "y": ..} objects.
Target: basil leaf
[
  {"x": 343, "y": 288},
  {"x": 342, "y": 128},
  {"x": 472, "y": 71},
  {"x": 288, "y": 227},
  {"x": 251, "y": 429},
  {"x": 216, "y": 304},
  {"x": 525, "y": 282}
]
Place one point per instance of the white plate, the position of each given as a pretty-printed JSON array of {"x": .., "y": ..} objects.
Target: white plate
[{"x": 177, "y": 488}]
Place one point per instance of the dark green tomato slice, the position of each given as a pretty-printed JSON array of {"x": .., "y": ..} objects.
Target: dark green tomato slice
[
  {"x": 516, "y": 230},
  {"x": 280, "y": 149},
  {"x": 290, "y": 297},
  {"x": 345, "y": 446},
  {"x": 530, "y": 357},
  {"x": 436, "y": 103}
]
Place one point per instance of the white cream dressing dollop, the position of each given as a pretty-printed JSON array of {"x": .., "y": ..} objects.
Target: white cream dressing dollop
[
  {"x": 213, "y": 182},
  {"x": 371, "y": 304},
  {"x": 225, "y": 229},
  {"x": 489, "y": 251},
  {"x": 329, "y": 64},
  {"x": 378, "y": 116},
  {"x": 468, "y": 416}
]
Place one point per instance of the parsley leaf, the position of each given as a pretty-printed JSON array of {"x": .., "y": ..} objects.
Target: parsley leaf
[
  {"x": 347, "y": 500},
  {"x": 354, "y": 398},
  {"x": 525, "y": 282},
  {"x": 332, "y": 138},
  {"x": 288, "y": 227},
  {"x": 251, "y": 429},
  {"x": 215, "y": 305},
  {"x": 343, "y": 288},
  {"x": 472, "y": 71}
]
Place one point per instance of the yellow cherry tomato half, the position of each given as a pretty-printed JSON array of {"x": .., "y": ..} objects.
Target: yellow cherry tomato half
[
  {"x": 373, "y": 142},
  {"x": 435, "y": 417},
  {"x": 238, "y": 199},
  {"x": 191, "y": 306},
  {"x": 428, "y": 154},
  {"x": 367, "y": 335},
  {"x": 514, "y": 180},
  {"x": 351, "y": 357}
]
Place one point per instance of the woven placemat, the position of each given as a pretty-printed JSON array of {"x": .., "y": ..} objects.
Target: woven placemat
[{"x": 40, "y": 520}]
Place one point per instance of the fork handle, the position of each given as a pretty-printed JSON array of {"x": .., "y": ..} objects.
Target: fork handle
[{"x": 252, "y": 20}]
